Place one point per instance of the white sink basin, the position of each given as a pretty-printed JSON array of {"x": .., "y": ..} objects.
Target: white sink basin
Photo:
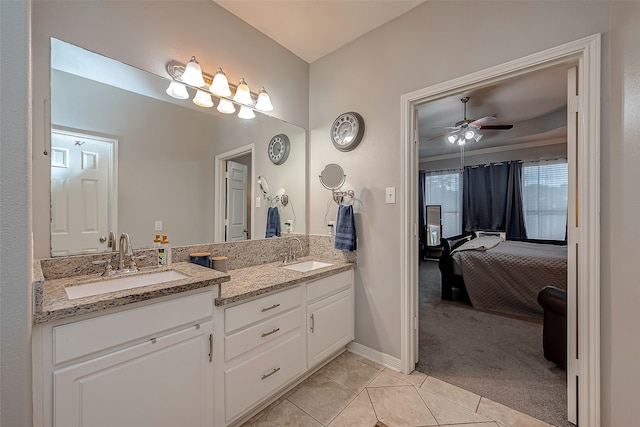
[
  {"x": 307, "y": 266},
  {"x": 122, "y": 283}
]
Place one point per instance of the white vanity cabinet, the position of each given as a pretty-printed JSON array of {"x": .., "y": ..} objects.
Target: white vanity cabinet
[
  {"x": 269, "y": 343},
  {"x": 145, "y": 366},
  {"x": 330, "y": 315}
]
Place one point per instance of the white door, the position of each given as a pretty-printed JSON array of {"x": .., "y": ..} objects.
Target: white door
[
  {"x": 329, "y": 326},
  {"x": 81, "y": 190},
  {"x": 163, "y": 382},
  {"x": 236, "y": 201}
]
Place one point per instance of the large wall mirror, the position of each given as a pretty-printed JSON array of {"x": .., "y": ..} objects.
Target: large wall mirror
[{"x": 127, "y": 157}]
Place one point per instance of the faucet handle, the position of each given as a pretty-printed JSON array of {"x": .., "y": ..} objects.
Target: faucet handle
[
  {"x": 133, "y": 267},
  {"x": 108, "y": 271}
]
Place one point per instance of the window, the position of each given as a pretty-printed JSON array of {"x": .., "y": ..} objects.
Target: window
[
  {"x": 545, "y": 195},
  {"x": 445, "y": 189}
]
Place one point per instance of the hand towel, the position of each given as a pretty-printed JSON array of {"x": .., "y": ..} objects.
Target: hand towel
[
  {"x": 273, "y": 223},
  {"x": 345, "y": 229}
]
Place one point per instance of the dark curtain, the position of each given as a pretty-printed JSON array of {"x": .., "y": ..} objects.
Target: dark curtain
[
  {"x": 422, "y": 212},
  {"x": 492, "y": 199}
]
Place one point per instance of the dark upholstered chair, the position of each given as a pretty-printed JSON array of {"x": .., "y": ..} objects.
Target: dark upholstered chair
[{"x": 554, "y": 335}]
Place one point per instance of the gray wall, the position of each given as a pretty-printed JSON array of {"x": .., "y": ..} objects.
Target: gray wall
[{"x": 422, "y": 48}]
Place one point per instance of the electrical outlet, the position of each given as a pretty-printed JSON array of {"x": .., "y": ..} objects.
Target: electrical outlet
[
  {"x": 391, "y": 195},
  {"x": 158, "y": 225}
]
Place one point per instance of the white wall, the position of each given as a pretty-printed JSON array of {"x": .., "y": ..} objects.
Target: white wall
[
  {"x": 422, "y": 48},
  {"x": 149, "y": 34},
  {"x": 15, "y": 215}
]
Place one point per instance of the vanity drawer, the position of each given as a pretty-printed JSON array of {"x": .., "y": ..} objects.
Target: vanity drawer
[
  {"x": 251, "y": 381},
  {"x": 261, "y": 333},
  {"x": 100, "y": 333},
  {"x": 263, "y": 308},
  {"x": 329, "y": 285}
]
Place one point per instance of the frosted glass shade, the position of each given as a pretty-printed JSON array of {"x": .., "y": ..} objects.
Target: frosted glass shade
[
  {"x": 264, "y": 101},
  {"x": 203, "y": 99},
  {"x": 193, "y": 73},
  {"x": 243, "y": 95},
  {"x": 220, "y": 84},
  {"x": 225, "y": 106},
  {"x": 246, "y": 113},
  {"x": 177, "y": 90}
]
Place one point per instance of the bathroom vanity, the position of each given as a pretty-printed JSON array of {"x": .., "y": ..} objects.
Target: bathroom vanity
[{"x": 207, "y": 349}]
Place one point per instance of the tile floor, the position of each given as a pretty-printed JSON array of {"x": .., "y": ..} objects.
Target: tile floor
[{"x": 352, "y": 391}]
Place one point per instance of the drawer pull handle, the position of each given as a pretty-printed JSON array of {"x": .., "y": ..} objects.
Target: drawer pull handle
[
  {"x": 313, "y": 323},
  {"x": 210, "y": 347},
  {"x": 265, "y": 376},
  {"x": 266, "y": 334},
  {"x": 270, "y": 308}
]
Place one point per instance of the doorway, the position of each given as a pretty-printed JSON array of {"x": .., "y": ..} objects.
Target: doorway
[
  {"x": 584, "y": 196},
  {"x": 234, "y": 171}
]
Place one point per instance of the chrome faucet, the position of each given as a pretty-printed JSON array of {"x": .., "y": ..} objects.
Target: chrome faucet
[
  {"x": 111, "y": 242},
  {"x": 292, "y": 253},
  {"x": 125, "y": 245}
]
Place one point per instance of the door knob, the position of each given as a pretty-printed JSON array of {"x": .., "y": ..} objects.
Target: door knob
[{"x": 102, "y": 239}]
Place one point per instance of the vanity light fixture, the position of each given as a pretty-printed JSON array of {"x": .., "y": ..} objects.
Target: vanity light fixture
[
  {"x": 193, "y": 73},
  {"x": 177, "y": 90},
  {"x": 225, "y": 106},
  {"x": 218, "y": 86},
  {"x": 243, "y": 95},
  {"x": 203, "y": 99},
  {"x": 246, "y": 113},
  {"x": 264, "y": 102}
]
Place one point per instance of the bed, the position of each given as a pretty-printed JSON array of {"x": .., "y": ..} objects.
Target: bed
[{"x": 502, "y": 275}]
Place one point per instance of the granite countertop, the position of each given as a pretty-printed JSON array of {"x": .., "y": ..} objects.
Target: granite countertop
[
  {"x": 51, "y": 301},
  {"x": 258, "y": 280}
]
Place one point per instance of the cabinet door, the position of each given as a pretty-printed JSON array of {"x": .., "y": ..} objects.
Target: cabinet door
[
  {"x": 329, "y": 326},
  {"x": 165, "y": 382}
]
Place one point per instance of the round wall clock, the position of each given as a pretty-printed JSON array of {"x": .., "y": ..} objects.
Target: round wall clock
[
  {"x": 279, "y": 148},
  {"x": 347, "y": 131}
]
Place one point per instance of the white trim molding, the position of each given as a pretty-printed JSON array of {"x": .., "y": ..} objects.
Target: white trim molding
[
  {"x": 586, "y": 54},
  {"x": 383, "y": 359}
]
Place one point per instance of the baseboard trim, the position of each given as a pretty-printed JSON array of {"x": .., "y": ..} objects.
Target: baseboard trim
[{"x": 375, "y": 356}]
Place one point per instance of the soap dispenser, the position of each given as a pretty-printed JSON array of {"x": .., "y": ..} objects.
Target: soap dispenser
[
  {"x": 159, "y": 252},
  {"x": 164, "y": 245}
]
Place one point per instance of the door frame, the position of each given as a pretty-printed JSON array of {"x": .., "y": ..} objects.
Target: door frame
[
  {"x": 220, "y": 188},
  {"x": 586, "y": 53}
]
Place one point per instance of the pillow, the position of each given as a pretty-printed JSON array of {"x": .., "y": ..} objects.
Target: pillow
[{"x": 501, "y": 234}]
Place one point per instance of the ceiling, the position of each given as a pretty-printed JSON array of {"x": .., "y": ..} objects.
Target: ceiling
[{"x": 313, "y": 28}]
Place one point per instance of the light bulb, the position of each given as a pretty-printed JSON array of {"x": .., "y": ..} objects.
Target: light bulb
[
  {"x": 469, "y": 134},
  {"x": 246, "y": 113},
  {"x": 225, "y": 106},
  {"x": 193, "y": 73},
  {"x": 451, "y": 139},
  {"x": 264, "y": 101},
  {"x": 220, "y": 84},
  {"x": 461, "y": 140},
  {"x": 203, "y": 99},
  {"x": 177, "y": 90},
  {"x": 243, "y": 95}
]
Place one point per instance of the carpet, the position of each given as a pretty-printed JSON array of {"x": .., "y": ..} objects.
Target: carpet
[{"x": 495, "y": 356}]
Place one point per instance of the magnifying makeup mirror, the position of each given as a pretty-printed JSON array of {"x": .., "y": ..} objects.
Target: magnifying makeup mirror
[
  {"x": 264, "y": 186},
  {"x": 332, "y": 176}
]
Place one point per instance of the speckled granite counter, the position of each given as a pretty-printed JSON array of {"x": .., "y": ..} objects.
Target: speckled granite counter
[
  {"x": 258, "y": 280},
  {"x": 51, "y": 301}
]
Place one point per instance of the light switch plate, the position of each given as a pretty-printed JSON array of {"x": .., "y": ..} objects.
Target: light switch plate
[
  {"x": 258, "y": 199},
  {"x": 158, "y": 225},
  {"x": 391, "y": 195}
]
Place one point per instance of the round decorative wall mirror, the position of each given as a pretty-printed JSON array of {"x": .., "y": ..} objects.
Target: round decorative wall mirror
[
  {"x": 332, "y": 176},
  {"x": 264, "y": 185}
]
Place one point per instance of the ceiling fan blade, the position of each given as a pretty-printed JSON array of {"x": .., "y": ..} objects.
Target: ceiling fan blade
[
  {"x": 497, "y": 127},
  {"x": 446, "y": 127},
  {"x": 485, "y": 119},
  {"x": 436, "y": 137}
]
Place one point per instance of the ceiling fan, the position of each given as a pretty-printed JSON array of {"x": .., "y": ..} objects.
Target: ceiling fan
[{"x": 468, "y": 129}]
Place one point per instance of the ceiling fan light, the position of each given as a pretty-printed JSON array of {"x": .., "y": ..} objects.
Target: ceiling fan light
[
  {"x": 177, "y": 90},
  {"x": 203, "y": 99},
  {"x": 461, "y": 140},
  {"x": 243, "y": 95},
  {"x": 478, "y": 136},
  {"x": 193, "y": 73},
  {"x": 220, "y": 84},
  {"x": 226, "y": 107},
  {"x": 469, "y": 133},
  {"x": 451, "y": 139}
]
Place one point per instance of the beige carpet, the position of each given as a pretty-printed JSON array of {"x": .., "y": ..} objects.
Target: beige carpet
[{"x": 491, "y": 355}]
